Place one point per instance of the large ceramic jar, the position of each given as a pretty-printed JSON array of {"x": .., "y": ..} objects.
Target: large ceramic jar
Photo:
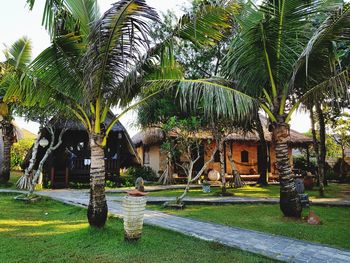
[
  {"x": 133, "y": 208},
  {"x": 214, "y": 175}
]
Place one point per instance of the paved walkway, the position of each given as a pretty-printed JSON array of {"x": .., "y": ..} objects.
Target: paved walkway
[{"x": 277, "y": 247}]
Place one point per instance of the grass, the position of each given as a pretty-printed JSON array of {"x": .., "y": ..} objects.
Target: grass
[
  {"x": 332, "y": 191},
  {"x": 50, "y": 231},
  {"x": 334, "y": 230}
]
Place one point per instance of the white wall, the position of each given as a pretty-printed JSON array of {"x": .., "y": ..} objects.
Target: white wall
[{"x": 154, "y": 158}]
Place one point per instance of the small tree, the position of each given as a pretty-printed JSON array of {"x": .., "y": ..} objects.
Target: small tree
[
  {"x": 186, "y": 139},
  {"x": 340, "y": 132}
]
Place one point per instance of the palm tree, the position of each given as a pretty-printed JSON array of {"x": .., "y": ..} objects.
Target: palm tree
[
  {"x": 278, "y": 61},
  {"x": 95, "y": 63},
  {"x": 275, "y": 57},
  {"x": 18, "y": 56}
]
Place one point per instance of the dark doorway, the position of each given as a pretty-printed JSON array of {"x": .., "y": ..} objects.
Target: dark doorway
[
  {"x": 261, "y": 160},
  {"x": 200, "y": 163}
]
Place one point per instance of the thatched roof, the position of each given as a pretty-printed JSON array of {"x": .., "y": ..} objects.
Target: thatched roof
[
  {"x": 295, "y": 138},
  {"x": 152, "y": 136},
  {"x": 74, "y": 124},
  {"x": 149, "y": 136}
]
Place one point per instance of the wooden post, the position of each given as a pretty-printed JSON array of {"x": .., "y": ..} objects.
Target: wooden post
[
  {"x": 52, "y": 176},
  {"x": 308, "y": 157},
  {"x": 120, "y": 139},
  {"x": 66, "y": 177}
]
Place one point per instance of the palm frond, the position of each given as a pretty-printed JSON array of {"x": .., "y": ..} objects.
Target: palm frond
[
  {"x": 318, "y": 50},
  {"x": 117, "y": 42},
  {"x": 272, "y": 37},
  {"x": 20, "y": 52},
  {"x": 58, "y": 65},
  {"x": 206, "y": 27},
  {"x": 333, "y": 90},
  {"x": 86, "y": 12},
  {"x": 216, "y": 98}
]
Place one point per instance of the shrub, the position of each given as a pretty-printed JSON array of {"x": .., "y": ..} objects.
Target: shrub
[
  {"x": 128, "y": 176},
  {"x": 143, "y": 171},
  {"x": 19, "y": 152},
  {"x": 300, "y": 162}
]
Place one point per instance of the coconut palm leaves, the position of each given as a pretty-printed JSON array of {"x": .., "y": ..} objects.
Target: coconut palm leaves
[
  {"x": 17, "y": 57},
  {"x": 116, "y": 44},
  {"x": 318, "y": 65}
]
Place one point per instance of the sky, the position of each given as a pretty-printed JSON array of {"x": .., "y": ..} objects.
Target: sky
[{"x": 16, "y": 21}]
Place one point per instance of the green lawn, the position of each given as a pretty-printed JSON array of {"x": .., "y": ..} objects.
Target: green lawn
[
  {"x": 332, "y": 191},
  {"x": 49, "y": 231},
  {"x": 334, "y": 231}
]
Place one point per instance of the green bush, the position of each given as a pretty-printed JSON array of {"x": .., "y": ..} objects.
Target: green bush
[
  {"x": 19, "y": 152},
  {"x": 145, "y": 172},
  {"x": 300, "y": 162},
  {"x": 129, "y": 176}
]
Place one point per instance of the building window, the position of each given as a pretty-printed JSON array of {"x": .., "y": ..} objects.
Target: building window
[
  {"x": 244, "y": 156},
  {"x": 146, "y": 155}
]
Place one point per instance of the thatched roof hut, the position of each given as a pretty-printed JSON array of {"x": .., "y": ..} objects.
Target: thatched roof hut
[
  {"x": 74, "y": 125},
  {"x": 70, "y": 162},
  {"x": 153, "y": 136}
]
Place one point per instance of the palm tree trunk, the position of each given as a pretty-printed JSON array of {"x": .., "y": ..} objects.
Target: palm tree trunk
[
  {"x": 314, "y": 136},
  {"x": 322, "y": 155},
  {"x": 8, "y": 141},
  {"x": 289, "y": 200},
  {"x": 97, "y": 210},
  {"x": 263, "y": 144}
]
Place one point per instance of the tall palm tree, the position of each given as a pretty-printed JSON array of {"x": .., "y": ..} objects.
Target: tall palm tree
[
  {"x": 278, "y": 61},
  {"x": 18, "y": 56},
  {"x": 95, "y": 63},
  {"x": 275, "y": 59}
]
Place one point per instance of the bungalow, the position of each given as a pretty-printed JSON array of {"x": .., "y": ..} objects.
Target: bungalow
[
  {"x": 71, "y": 161},
  {"x": 245, "y": 147}
]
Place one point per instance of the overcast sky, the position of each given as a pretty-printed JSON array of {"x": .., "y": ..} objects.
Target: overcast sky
[{"x": 16, "y": 21}]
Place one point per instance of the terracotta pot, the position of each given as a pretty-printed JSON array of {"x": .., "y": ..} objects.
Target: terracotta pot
[
  {"x": 133, "y": 207},
  {"x": 309, "y": 182},
  {"x": 214, "y": 175}
]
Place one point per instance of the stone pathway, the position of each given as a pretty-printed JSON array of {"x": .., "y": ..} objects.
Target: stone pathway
[{"x": 277, "y": 247}]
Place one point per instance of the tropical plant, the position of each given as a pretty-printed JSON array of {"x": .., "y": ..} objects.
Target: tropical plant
[
  {"x": 184, "y": 136},
  {"x": 18, "y": 56},
  {"x": 97, "y": 62},
  {"x": 283, "y": 61},
  {"x": 278, "y": 61},
  {"x": 19, "y": 151},
  {"x": 339, "y": 131}
]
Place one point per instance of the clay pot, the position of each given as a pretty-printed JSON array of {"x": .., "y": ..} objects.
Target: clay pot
[
  {"x": 133, "y": 207},
  {"x": 214, "y": 175},
  {"x": 309, "y": 181}
]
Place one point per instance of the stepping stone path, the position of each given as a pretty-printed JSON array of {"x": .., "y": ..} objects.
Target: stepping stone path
[{"x": 273, "y": 246}]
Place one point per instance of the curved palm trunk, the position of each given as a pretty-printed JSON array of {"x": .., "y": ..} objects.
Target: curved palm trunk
[
  {"x": 97, "y": 210},
  {"x": 322, "y": 155},
  {"x": 8, "y": 141},
  {"x": 289, "y": 199}
]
